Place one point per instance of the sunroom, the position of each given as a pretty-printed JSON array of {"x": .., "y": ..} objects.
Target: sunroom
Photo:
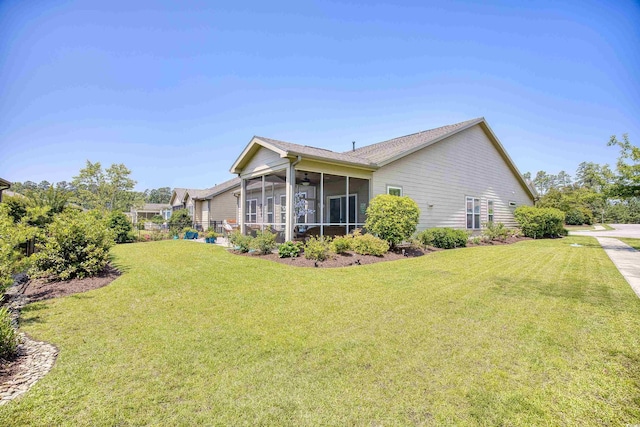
[{"x": 299, "y": 191}]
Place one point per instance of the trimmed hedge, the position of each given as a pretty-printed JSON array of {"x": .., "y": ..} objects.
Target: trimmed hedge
[
  {"x": 539, "y": 223},
  {"x": 368, "y": 244},
  {"x": 444, "y": 238}
]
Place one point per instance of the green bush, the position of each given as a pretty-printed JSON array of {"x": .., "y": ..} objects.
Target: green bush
[
  {"x": 578, "y": 216},
  {"x": 317, "y": 248},
  {"x": 392, "y": 218},
  {"x": 496, "y": 231},
  {"x": 77, "y": 246},
  {"x": 12, "y": 238},
  {"x": 540, "y": 222},
  {"x": 121, "y": 226},
  {"x": 264, "y": 242},
  {"x": 8, "y": 336},
  {"x": 368, "y": 244},
  {"x": 240, "y": 242},
  {"x": 444, "y": 238},
  {"x": 289, "y": 249},
  {"x": 342, "y": 244},
  {"x": 180, "y": 219}
]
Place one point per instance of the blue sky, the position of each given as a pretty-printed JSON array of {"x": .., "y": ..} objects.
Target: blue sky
[{"x": 175, "y": 90}]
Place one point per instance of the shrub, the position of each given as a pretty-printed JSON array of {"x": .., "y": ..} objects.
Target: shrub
[
  {"x": 496, "y": 231},
  {"x": 392, "y": 218},
  {"x": 368, "y": 244},
  {"x": 77, "y": 246},
  {"x": 240, "y": 242},
  {"x": 180, "y": 219},
  {"x": 444, "y": 238},
  {"x": 289, "y": 249},
  {"x": 342, "y": 244},
  {"x": 540, "y": 222},
  {"x": 317, "y": 248},
  {"x": 8, "y": 336},
  {"x": 578, "y": 216},
  {"x": 264, "y": 242},
  {"x": 121, "y": 226},
  {"x": 12, "y": 239}
]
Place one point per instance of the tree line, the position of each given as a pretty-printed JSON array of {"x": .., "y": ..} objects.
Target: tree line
[
  {"x": 93, "y": 188},
  {"x": 597, "y": 192}
]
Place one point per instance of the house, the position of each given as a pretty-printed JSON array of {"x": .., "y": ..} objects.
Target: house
[
  {"x": 460, "y": 175},
  {"x": 211, "y": 206},
  {"x": 4, "y": 185},
  {"x": 149, "y": 210}
]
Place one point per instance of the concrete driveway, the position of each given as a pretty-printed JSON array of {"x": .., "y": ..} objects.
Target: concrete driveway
[
  {"x": 621, "y": 230},
  {"x": 625, "y": 258}
]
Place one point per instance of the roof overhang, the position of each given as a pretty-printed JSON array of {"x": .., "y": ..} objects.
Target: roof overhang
[
  {"x": 4, "y": 184},
  {"x": 256, "y": 143}
]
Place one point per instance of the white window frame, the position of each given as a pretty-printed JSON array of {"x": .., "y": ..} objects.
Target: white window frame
[
  {"x": 475, "y": 216},
  {"x": 395, "y": 187},
  {"x": 269, "y": 210},
  {"x": 491, "y": 213},
  {"x": 251, "y": 213}
]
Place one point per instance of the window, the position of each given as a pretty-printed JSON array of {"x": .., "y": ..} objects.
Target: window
[
  {"x": 270, "y": 210},
  {"x": 190, "y": 209},
  {"x": 490, "y": 210},
  {"x": 473, "y": 213},
  {"x": 251, "y": 214},
  {"x": 394, "y": 191}
]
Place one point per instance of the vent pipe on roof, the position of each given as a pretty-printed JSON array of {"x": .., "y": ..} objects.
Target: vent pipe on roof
[{"x": 354, "y": 145}]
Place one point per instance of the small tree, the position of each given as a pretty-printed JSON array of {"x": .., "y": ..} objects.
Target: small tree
[
  {"x": 180, "y": 219},
  {"x": 121, "y": 226},
  {"x": 392, "y": 218}
]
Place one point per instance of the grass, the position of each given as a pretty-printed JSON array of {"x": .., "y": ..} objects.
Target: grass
[
  {"x": 634, "y": 243},
  {"x": 535, "y": 333}
]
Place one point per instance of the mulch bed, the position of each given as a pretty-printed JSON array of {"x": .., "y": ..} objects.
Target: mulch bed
[
  {"x": 41, "y": 289},
  {"x": 352, "y": 258},
  {"x": 343, "y": 260}
]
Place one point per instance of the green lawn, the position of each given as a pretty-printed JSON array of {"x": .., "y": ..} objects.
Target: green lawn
[
  {"x": 634, "y": 243},
  {"x": 536, "y": 333}
]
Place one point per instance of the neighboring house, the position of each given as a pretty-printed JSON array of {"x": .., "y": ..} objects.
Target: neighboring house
[
  {"x": 149, "y": 210},
  {"x": 4, "y": 185},
  {"x": 211, "y": 206},
  {"x": 460, "y": 175}
]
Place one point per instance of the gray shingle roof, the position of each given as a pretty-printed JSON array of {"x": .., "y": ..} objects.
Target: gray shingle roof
[
  {"x": 387, "y": 150},
  {"x": 374, "y": 154},
  {"x": 319, "y": 153}
]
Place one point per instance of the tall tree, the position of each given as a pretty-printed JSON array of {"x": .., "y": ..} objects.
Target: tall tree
[
  {"x": 158, "y": 195},
  {"x": 627, "y": 182},
  {"x": 110, "y": 189}
]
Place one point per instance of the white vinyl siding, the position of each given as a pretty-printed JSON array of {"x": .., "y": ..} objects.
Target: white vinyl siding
[
  {"x": 224, "y": 206},
  {"x": 440, "y": 176}
]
